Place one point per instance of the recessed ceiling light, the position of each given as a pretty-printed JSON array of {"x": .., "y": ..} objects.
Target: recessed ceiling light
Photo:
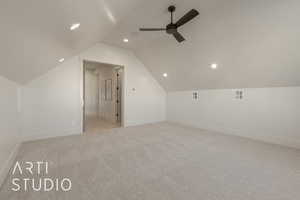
[
  {"x": 74, "y": 26},
  {"x": 125, "y": 40},
  {"x": 61, "y": 60},
  {"x": 214, "y": 66},
  {"x": 165, "y": 75}
]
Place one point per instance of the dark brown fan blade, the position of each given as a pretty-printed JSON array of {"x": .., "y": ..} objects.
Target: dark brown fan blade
[
  {"x": 152, "y": 29},
  {"x": 178, "y": 37},
  {"x": 187, "y": 17}
]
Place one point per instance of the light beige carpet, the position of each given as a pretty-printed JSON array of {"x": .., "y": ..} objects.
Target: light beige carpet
[{"x": 163, "y": 162}]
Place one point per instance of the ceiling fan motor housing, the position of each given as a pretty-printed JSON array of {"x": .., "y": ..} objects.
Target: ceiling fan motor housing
[{"x": 171, "y": 28}]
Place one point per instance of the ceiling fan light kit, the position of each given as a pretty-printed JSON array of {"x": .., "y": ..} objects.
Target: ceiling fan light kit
[{"x": 172, "y": 28}]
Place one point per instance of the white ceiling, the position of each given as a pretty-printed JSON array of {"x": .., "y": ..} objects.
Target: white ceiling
[
  {"x": 255, "y": 42},
  {"x": 35, "y": 34}
]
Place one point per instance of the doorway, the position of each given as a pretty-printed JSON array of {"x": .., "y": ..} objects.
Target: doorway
[{"x": 102, "y": 94}]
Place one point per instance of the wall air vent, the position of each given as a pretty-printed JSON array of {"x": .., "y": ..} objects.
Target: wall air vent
[
  {"x": 195, "y": 95},
  {"x": 239, "y": 94}
]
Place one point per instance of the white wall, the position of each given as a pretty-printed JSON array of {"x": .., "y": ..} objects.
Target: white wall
[
  {"x": 51, "y": 105},
  {"x": 267, "y": 114},
  {"x": 9, "y": 123},
  {"x": 53, "y": 102},
  {"x": 91, "y": 93}
]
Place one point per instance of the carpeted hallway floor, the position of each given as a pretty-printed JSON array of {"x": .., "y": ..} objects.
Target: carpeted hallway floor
[{"x": 163, "y": 162}]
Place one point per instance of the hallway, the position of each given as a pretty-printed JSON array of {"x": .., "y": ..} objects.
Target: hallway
[{"x": 102, "y": 84}]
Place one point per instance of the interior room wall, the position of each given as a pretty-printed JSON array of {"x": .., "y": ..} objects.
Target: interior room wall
[
  {"x": 9, "y": 123},
  {"x": 53, "y": 102},
  {"x": 267, "y": 114},
  {"x": 91, "y": 93},
  {"x": 51, "y": 105}
]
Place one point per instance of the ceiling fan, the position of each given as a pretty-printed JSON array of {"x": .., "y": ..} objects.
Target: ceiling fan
[{"x": 172, "y": 27}]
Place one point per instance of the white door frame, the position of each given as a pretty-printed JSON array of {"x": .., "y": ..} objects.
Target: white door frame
[{"x": 82, "y": 91}]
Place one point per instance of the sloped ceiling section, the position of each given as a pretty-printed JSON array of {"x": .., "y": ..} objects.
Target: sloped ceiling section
[
  {"x": 255, "y": 43},
  {"x": 35, "y": 34}
]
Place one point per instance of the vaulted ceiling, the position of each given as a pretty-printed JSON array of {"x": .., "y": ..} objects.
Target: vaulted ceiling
[
  {"x": 255, "y": 43},
  {"x": 35, "y": 34}
]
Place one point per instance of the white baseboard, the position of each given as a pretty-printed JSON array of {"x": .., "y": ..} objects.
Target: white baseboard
[
  {"x": 240, "y": 133},
  {"x": 44, "y": 134},
  {"x": 131, "y": 123},
  {"x": 9, "y": 162}
]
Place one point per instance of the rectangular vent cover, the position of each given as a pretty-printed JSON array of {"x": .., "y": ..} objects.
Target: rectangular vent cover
[{"x": 195, "y": 95}]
